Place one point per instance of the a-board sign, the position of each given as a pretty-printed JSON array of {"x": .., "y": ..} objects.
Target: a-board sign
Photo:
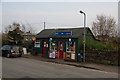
[
  {"x": 24, "y": 50},
  {"x": 52, "y": 54}
]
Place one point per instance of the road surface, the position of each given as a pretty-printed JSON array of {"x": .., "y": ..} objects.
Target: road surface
[{"x": 30, "y": 68}]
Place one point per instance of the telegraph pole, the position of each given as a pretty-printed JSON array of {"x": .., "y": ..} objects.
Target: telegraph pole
[{"x": 44, "y": 25}]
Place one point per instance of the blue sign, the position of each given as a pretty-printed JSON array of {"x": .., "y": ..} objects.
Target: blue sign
[{"x": 63, "y": 33}]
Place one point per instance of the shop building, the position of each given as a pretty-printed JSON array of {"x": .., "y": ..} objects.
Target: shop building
[{"x": 61, "y": 43}]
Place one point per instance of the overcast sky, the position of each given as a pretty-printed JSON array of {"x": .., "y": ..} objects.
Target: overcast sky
[{"x": 55, "y": 14}]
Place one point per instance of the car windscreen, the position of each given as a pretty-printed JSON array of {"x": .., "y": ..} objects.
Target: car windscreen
[
  {"x": 6, "y": 47},
  {"x": 15, "y": 48}
]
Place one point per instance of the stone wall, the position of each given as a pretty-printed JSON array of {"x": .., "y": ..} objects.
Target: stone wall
[{"x": 103, "y": 57}]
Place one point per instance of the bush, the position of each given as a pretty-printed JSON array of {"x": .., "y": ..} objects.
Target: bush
[{"x": 100, "y": 45}]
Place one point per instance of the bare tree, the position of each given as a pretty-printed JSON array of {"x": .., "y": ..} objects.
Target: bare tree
[
  {"x": 104, "y": 27},
  {"x": 30, "y": 29},
  {"x": 22, "y": 27},
  {"x": 17, "y": 33}
]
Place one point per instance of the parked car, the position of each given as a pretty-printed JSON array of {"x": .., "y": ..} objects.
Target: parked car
[{"x": 11, "y": 51}]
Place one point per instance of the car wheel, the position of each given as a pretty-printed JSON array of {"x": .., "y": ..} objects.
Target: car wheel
[{"x": 8, "y": 55}]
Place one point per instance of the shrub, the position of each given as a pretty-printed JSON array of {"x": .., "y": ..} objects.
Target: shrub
[{"x": 99, "y": 45}]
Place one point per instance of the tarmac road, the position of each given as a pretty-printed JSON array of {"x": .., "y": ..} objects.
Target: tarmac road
[{"x": 30, "y": 68}]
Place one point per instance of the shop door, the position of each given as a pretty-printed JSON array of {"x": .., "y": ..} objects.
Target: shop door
[
  {"x": 44, "y": 48},
  {"x": 61, "y": 49},
  {"x": 53, "y": 49}
]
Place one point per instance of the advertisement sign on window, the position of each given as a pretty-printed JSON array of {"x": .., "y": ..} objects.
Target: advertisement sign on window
[
  {"x": 72, "y": 56},
  {"x": 37, "y": 44}
]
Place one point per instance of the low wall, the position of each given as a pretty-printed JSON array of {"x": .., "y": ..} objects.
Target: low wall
[{"x": 103, "y": 57}]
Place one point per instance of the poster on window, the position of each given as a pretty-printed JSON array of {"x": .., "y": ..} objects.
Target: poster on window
[
  {"x": 72, "y": 56},
  {"x": 68, "y": 55}
]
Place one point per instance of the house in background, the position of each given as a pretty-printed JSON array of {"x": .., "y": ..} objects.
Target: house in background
[
  {"x": 62, "y": 43},
  {"x": 27, "y": 36}
]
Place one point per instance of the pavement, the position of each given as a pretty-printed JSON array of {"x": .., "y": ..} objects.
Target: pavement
[{"x": 101, "y": 67}]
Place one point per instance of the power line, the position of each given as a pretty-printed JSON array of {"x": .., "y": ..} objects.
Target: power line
[
  {"x": 48, "y": 23},
  {"x": 57, "y": 24}
]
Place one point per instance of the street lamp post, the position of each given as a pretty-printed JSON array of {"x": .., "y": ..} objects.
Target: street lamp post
[{"x": 84, "y": 33}]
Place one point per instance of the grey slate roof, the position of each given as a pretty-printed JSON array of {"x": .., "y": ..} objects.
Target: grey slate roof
[{"x": 50, "y": 33}]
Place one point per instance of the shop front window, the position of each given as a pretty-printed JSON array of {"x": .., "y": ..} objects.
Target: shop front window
[
  {"x": 61, "y": 46},
  {"x": 70, "y": 47},
  {"x": 70, "y": 50},
  {"x": 53, "y": 46},
  {"x": 45, "y": 44},
  {"x": 53, "y": 49}
]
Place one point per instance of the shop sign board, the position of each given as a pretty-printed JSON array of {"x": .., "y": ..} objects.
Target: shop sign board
[{"x": 63, "y": 33}]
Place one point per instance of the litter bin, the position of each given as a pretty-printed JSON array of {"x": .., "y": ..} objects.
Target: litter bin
[{"x": 80, "y": 57}]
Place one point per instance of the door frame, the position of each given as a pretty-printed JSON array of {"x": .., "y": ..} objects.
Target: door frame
[
  {"x": 44, "y": 52},
  {"x": 59, "y": 55}
]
